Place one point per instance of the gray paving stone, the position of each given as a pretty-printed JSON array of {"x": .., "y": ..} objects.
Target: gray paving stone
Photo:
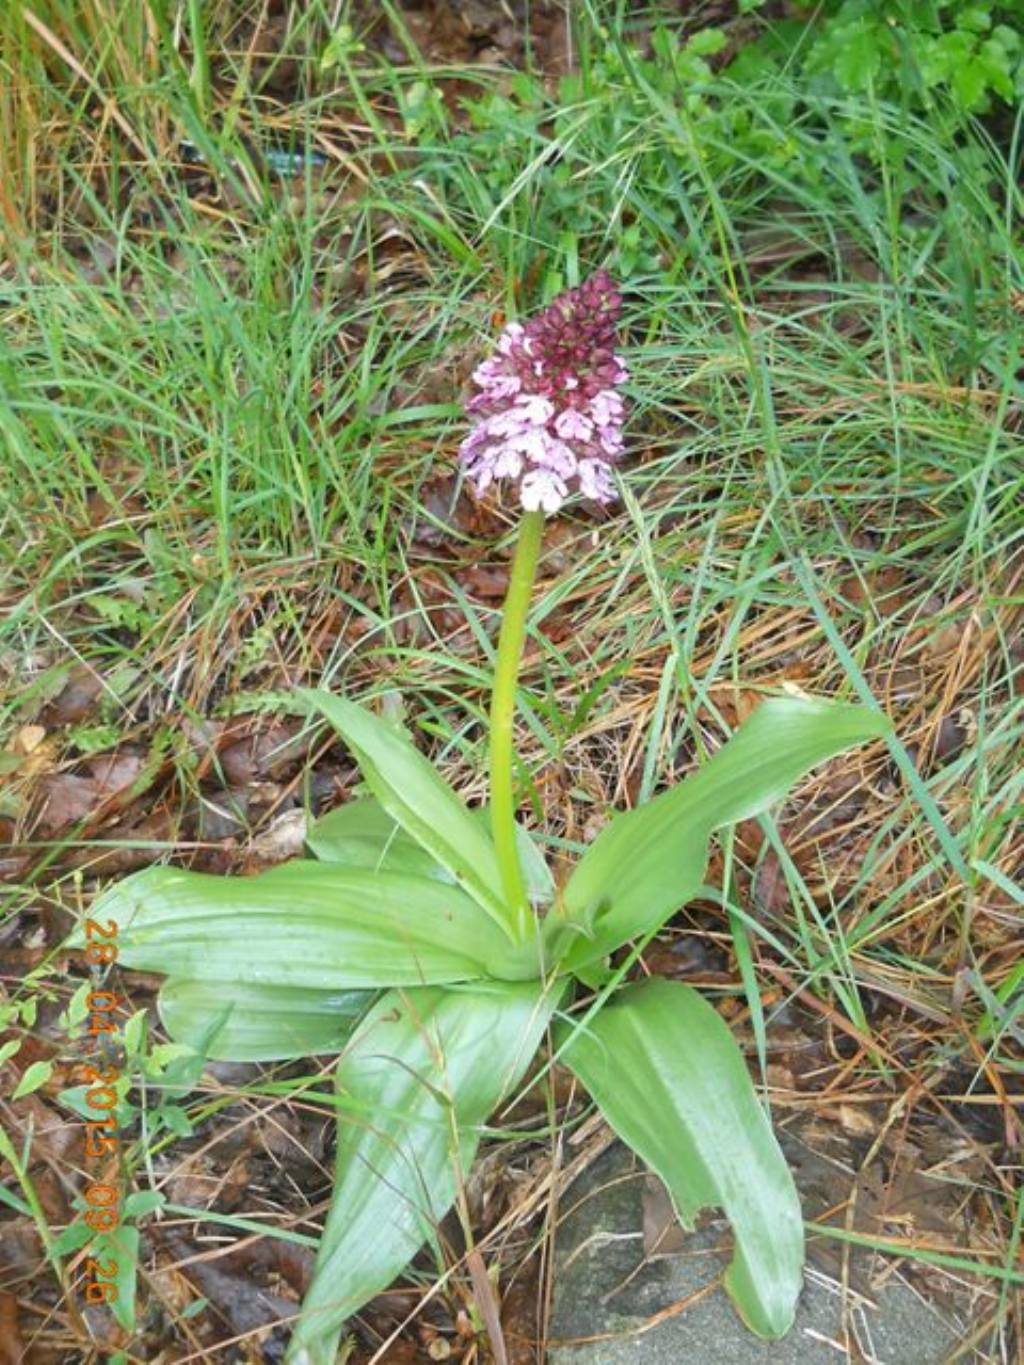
[{"x": 605, "y": 1291}]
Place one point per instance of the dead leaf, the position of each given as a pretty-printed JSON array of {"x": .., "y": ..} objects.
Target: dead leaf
[
  {"x": 12, "y": 1348},
  {"x": 487, "y": 1306},
  {"x": 28, "y": 739},
  {"x": 115, "y": 772},
  {"x": 271, "y": 753},
  {"x": 771, "y": 893},
  {"x": 482, "y": 581},
  {"x": 76, "y": 699},
  {"x": 663, "y": 1235},
  {"x": 283, "y": 839},
  {"x": 857, "y": 1120},
  {"x": 240, "y": 1299},
  {"x": 887, "y": 590},
  {"x": 67, "y": 799}
]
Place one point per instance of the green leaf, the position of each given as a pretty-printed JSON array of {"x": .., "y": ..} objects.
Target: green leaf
[
  {"x": 412, "y": 793},
  {"x": 77, "y": 1008},
  {"x": 706, "y": 42},
  {"x": 32, "y": 1078},
  {"x": 175, "y": 1120},
  {"x": 121, "y": 1247},
  {"x": 975, "y": 18},
  {"x": 134, "y": 1032},
  {"x": 72, "y": 1238},
  {"x": 649, "y": 861},
  {"x": 424, "y": 1071},
  {"x": 140, "y": 1203},
  {"x": 669, "y": 1078},
  {"x": 362, "y": 834},
  {"x": 341, "y": 45},
  {"x": 232, "y": 1022},
  {"x": 859, "y": 56},
  {"x": 970, "y": 84},
  {"x": 300, "y": 924}
]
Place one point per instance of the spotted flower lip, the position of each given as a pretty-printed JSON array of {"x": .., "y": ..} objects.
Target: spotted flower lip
[{"x": 548, "y": 413}]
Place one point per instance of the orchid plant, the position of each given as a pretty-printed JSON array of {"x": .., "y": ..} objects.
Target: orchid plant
[{"x": 430, "y": 946}]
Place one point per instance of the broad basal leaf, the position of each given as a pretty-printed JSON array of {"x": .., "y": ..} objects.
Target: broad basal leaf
[
  {"x": 669, "y": 1078},
  {"x": 362, "y": 834},
  {"x": 300, "y": 924},
  {"x": 412, "y": 793},
  {"x": 424, "y": 1070},
  {"x": 232, "y": 1022},
  {"x": 649, "y": 861}
]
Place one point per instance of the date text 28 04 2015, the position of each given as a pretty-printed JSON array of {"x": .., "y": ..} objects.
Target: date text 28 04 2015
[{"x": 102, "y": 1140}]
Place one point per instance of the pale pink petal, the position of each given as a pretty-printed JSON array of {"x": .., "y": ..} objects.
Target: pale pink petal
[
  {"x": 606, "y": 407},
  {"x": 478, "y": 437},
  {"x": 508, "y": 423},
  {"x": 531, "y": 443},
  {"x": 559, "y": 457},
  {"x": 504, "y": 386},
  {"x": 542, "y": 489},
  {"x": 611, "y": 440},
  {"x": 596, "y": 480},
  {"x": 487, "y": 370},
  {"x": 573, "y": 425},
  {"x": 508, "y": 462},
  {"x": 536, "y": 409},
  {"x": 509, "y": 338}
]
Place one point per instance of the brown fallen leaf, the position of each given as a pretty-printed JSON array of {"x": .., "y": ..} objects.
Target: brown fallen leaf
[
  {"x": 487, "y": 1306},
  {"x": 69, "y": 797},
  {"x": 857, "y": 1120},
  {"x": 663, "y": 1235},
  {"x": 76, "y": 699},
  {"x": 12, "y": 1347},
  {"x": 130, "y": 845},
  {"x": 28, "y": 739},
  {"x": 886, "y": 590},
  {"x": 771, "y": 893},
  {"x": 483, "y": 581},
  {"x": 272, "y": 753},
  {"x": 283, "y": 839},
  {"x": 238, "y": 1299},
  {"x": 115, "y": 772}
]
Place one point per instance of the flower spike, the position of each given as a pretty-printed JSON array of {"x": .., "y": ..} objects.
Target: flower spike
[{"x": 549, "y": 417}]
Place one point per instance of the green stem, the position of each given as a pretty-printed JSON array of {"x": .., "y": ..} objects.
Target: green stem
[{"x": 503, "y": 706}]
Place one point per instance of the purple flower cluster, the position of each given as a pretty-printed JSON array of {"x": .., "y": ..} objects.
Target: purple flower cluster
[{"x": 550, "y": 416}]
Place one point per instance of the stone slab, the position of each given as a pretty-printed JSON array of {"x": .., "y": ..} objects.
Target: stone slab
[{"x": 615, "y": 1306}]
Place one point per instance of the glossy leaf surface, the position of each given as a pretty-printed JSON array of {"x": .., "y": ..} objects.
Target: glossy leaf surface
[
  {"x": 303, "y": 923},
  {"x": 650, "y": 861},
  {"x": 414, "y": 795},
  {"x": 232, "y": 1022},
  {"x": 669, "y": 1078},
  {"x": 362, "y": 834},
  {"x": 424, "y": 1070}
]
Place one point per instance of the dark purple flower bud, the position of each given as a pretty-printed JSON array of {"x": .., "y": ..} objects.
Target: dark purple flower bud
[{"x": 549, "y": 417}]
